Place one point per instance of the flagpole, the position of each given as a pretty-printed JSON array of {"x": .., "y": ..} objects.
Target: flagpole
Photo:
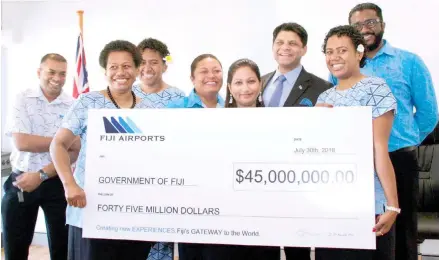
[
  {"x": 80, "y": 81},
  {"x": 80, "y": 16}
]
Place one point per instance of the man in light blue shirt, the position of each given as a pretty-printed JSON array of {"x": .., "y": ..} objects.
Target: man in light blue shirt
[
  {"x": 411, "y": 84},
  {"x": 290, "y": 79}
]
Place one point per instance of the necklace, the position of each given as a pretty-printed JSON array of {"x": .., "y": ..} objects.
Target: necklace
[{"x": 114, "y": 102}]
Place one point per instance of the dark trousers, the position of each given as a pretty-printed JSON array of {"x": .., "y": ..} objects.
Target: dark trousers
[
  {"x": 297, "y": 253},
  {"x": 256, "y": 253},
  {"x": 187, "y": 251},
  {"x": 385, "y": 250},
  {"x": 96, "y": 249},
  {"x": 19, "y": 219},
  {"x": 407, "y": 181},
  {"x": 192, "y": 251}
]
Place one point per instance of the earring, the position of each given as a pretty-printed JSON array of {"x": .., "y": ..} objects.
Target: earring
[
  {"x": 231, "y": 99},
  {"x": 260, "y": 97}
]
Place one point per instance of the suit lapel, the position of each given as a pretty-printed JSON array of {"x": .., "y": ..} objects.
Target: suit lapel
[
  {"x": 266, "y": 79},
  {"x": 302, "y": 83}
]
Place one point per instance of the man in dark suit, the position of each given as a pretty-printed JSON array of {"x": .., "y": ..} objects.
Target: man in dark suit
[{"x": 290, "y": 85}]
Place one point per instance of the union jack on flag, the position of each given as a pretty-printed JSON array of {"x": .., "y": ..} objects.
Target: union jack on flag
[{"x": 80, "y": 84}]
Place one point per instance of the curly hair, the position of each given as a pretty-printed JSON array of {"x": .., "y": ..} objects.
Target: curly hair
[
  {"x": 353, "y": 34},
  {"x": 119, "y": 45},
  {"x": 232, "y": 70},
  {"x": 154, "y": 44}
]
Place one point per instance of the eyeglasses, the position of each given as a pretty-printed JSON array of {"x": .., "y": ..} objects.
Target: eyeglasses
[{"x": 370, "y": 24}]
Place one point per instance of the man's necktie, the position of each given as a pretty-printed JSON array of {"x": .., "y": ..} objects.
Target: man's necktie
[{"x": 277, "y": 94}]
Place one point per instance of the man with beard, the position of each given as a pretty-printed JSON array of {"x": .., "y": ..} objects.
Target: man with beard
[
  {"x": 34, "y": 183},
  {"x": 412, "y": 86}
]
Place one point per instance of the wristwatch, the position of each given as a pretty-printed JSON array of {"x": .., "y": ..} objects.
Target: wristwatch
[
  {"x": 390, "y": 208},
  {"x": 43, "y": 175}
]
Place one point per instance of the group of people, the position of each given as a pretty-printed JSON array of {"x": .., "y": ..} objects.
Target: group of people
[{"x": 49, "y": 133}]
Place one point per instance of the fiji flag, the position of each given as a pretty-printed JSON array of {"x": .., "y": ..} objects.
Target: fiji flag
[{"x": 80, "y": 84}]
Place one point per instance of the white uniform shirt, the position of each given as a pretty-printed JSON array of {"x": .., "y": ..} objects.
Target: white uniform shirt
[{"x": 33, "y": 114}]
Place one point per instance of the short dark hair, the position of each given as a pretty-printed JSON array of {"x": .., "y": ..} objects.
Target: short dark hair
[
  {"x": 200, "y": 58},
  {"x": 292, "y": 27},
  {"x": 53, "y": 56},
  {"x": 232, "y": 70},
  {"x": 154, "y": 44},
  {"x": 353, "y": 34},
  {"x": 366, "y": 6},
  {"x": 119, "y": 45}
]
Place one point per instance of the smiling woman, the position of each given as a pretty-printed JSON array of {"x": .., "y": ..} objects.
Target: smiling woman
[
  {"x": 341, "y": 62},
  {"x": 345, "y": 52},
  {"x": 244, "y": 84},
  {"x": 244, "y": 91},
  {"x": 121, "y": 62},
  {"x": 120, "y": 59},
  {"x": 154, "y": 65},
  {"x": 207, "y": 78}
]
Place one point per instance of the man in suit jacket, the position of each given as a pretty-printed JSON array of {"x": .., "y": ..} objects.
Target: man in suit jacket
[
  {"x": 305, "y": 91},
  {"x": 297, "y": 87},
  {"x": 290, "y": 85}
]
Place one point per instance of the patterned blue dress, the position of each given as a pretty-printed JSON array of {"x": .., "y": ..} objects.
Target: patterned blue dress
[
  {"x": 161, "y": 250},
  {"x": 373, "y": 92}
]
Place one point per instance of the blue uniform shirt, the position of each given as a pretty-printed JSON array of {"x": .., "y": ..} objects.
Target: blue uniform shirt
[
  {"x": 412, "y": 86},
  {"x": 372, "y": 92},
  {"x": 192, "y": 101},
  {"x": 76, "y": 121},
  {"x": 162, "y": 98}
]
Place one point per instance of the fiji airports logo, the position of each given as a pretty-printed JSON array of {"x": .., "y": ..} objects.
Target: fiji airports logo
[
  {"x": 120, "y": 126},
  {"x": 118, "y": 129}
]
